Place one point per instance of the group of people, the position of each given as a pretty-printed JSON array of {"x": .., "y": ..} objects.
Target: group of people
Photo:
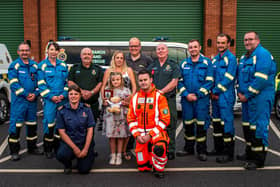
[
  {"x": 139, "y": 104},
  {"x": 206, "y": 82}
]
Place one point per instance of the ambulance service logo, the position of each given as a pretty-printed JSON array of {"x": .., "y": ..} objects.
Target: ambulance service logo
[{"x": 62, "y": 55}]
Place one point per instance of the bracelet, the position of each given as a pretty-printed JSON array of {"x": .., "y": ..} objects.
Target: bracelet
[{"x": 92, "y": 92}]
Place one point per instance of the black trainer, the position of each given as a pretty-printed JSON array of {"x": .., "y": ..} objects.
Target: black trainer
[
  {"x": 158, "y": 174},
  {"x": 224, "y": 159},
  {"x": 202, "y": 157},
  {"x": 49, "y": 155},
  {"x": 184, "y": 153},
  {"x": 15, "y": 157},
  {"x": 242, "y": 157},
  {"x": 67, "y": 171},
  {"x": 171, "y": 156},
  {"x": 35, "y": 151}
]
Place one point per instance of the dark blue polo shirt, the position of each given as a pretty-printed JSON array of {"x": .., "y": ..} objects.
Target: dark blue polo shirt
[{"x": 75, "y": 122}]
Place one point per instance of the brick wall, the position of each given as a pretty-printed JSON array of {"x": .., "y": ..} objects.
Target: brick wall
[
  {"x": 48, "y": 23},
  {"x": 217, "y": 20},
  {"x": 31, "y": 26}
]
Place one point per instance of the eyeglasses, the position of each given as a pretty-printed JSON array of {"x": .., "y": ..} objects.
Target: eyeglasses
[
  {"x": 248, "y": 39},
  {"x": 134, "y": 46},
  {"x": 24, "y": 50}
]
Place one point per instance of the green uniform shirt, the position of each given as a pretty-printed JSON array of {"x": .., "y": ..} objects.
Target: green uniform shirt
[
  {"x": 162, "y": 75},
  {"x": 86, "y": 78}
]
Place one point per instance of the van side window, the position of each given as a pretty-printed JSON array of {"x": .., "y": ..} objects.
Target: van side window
[
  {"x": 182, "y": 54},
  {"x": 149, "y": 51}
]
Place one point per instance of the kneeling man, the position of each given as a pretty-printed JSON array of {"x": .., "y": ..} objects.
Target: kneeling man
[{"x": 148, "y": 117}]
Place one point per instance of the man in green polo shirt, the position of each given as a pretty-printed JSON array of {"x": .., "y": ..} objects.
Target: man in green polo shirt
[
  {"x": 89, "y": 78},
  {"x": 165, "y": 77}
]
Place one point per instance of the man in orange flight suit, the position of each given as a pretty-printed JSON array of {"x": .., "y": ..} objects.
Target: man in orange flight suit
[{"x": 148, "y": 116}]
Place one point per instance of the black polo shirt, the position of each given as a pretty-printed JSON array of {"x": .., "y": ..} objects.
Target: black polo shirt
[
  {"x": 86, "y": 78},
  {"x": 139, "y": 64},
  {"x": 162, "y": 75}
]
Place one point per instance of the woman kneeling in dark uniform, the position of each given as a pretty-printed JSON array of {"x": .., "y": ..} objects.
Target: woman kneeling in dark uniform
[{"x": 75, "y": 125}]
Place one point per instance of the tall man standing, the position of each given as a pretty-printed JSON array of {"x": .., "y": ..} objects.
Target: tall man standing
[
  {"x": 89, "y": 78},
  {"x": 197, "y": 81},
  {"x": 223, "y": 99},
  {"x": 165, "y": 74},
  {"x": 135, "y": 59},
  {"x": 23, "y": 81},
  {"x": 256, "y": 91}
]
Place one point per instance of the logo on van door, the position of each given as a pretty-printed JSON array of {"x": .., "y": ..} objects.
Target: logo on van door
[{"x": 62, "y": 55}]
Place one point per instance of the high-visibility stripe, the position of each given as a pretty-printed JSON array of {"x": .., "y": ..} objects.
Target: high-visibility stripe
[
  {"x": 31, "y": 138},
  {"x": 19, "y": 91},
  {"x": 200, "y": 122},
  {"x": 254, "y": 60},
  {"x": 156, "y": 131},
  {"x": 162, "y": 125},
  {"x": 44, "y": 67},
  {"x": 134, "y": 131},
  {"x": 202, "y": 139},
  {"x": 41, "y": 82},
  {"x": 12, "y": 140},
  {"x": 213, "y": 61},
  {"x": 13, "y": 80},
  {"x": 156, "y": 165},
  {"x": 157, "y": 108},
  {"x": 19, "y": 124},
  {"x": 205, "y": 62},
  {"x": 217, "y": 134},
  {"x": 51, "y": 124},
  {"x": 31, "y": 123},
  {"x": 253, "y": 90},
  {"x": 35, "y": 66},
  {"x": 182, "y": 89},
  {"x": 189, "y": 122},
  {"x": 162, "y": 160},
  {"x": 253, "y": 127},
  {"x": 49, "y": 139},
  {"x": 189, "y": 137},
  {"x": 133, "y": 124},
  {"x": 183, "y": 64},
  {"x": 57, "y": 136},
  {"x": 229, "y": 76},
  {"x": 222, "y": 123},
  {"x": 216, "y": 119},
  {"x": 17, "y": 66},
  {"x": 65, "y": 88},
  {"x": 226, "y": 60},
  {"x": 261, "y": 75},
  {"x": 222, "y": 87},
  {"x": 257, "y": 149},
  {"x": 248, "y": 143},
  {"x": 227, "y": 140},
  {"x": 203, "y": 90},
  {"x": 209, "y": 78},
  {"x": 45, "y": 92},
  {"x": 245, "y": 124},
  {"x": 134, "y": 99}
]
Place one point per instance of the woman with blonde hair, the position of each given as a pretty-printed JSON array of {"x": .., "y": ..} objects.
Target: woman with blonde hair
[{"x": 118, "y": 64}]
